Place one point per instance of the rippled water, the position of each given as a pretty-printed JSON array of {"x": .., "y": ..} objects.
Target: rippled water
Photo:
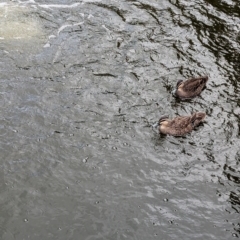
[{"x": 81, "y": 84}]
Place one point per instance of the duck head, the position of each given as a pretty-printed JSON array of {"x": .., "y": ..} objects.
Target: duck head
[
  {"x": 179, "y": 82},
  {"x": 160, "y": 121},
  {"x": 163, "y": 122},
  {"x": 198, "y": 118}
]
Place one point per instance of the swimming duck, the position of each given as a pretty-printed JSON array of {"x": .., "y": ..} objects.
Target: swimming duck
[
  {"x": 191, "y": 87},
  {"x": 180, "y": 125}
]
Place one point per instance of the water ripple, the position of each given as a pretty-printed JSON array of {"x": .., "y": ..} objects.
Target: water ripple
[{"x": 79, "y": 157}]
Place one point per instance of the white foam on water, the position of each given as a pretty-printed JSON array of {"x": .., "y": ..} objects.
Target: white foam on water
[
  {"x": 51, "y": 36},
  {"x": 59, "y": 5},
  {"x": 90, "y": 16},
  {"x": 68, "y": 25},
  {"x": 91, "y": 1}
]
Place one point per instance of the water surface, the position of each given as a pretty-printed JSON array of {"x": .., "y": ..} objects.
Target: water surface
[{"x": 81, "y": 84}]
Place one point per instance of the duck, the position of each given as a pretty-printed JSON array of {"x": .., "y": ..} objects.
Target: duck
[
  {"x": 190, "y": 88},
  {"x": 180, "y": 125}
]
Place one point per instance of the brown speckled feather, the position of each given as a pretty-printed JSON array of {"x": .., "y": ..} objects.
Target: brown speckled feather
[
  {"x": 181, "y": 125},
  {"x": 191, "y": 87}
]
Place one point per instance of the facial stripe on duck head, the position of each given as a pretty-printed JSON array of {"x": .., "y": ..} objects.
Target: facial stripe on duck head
[
  {"x": 178, "y": 83},
  {"x": 163, "y": 118}
]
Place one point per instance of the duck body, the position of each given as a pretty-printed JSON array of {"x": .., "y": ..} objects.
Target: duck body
[
  {"x": 191, "y": 87},
  {"x": 180, "y": 125}
]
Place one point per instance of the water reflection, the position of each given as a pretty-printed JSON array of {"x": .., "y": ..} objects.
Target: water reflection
[
  {"x": 233, "y": 175},
  {"x": 18, "y": 22},
  {"x": 76, "y": 146}
]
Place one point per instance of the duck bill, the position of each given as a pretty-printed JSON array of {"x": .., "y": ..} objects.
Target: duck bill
[
  {"x": 155, "y": 125},
  {"x": 174, "y": 93}
]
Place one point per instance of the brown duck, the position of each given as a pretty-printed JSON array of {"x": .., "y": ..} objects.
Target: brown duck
[
  {"x": 191, "y": 87},
  {"x": 181, "y": 125}
]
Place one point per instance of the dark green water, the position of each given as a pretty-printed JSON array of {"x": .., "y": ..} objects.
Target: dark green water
[{"x": 81, "y": 86}]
